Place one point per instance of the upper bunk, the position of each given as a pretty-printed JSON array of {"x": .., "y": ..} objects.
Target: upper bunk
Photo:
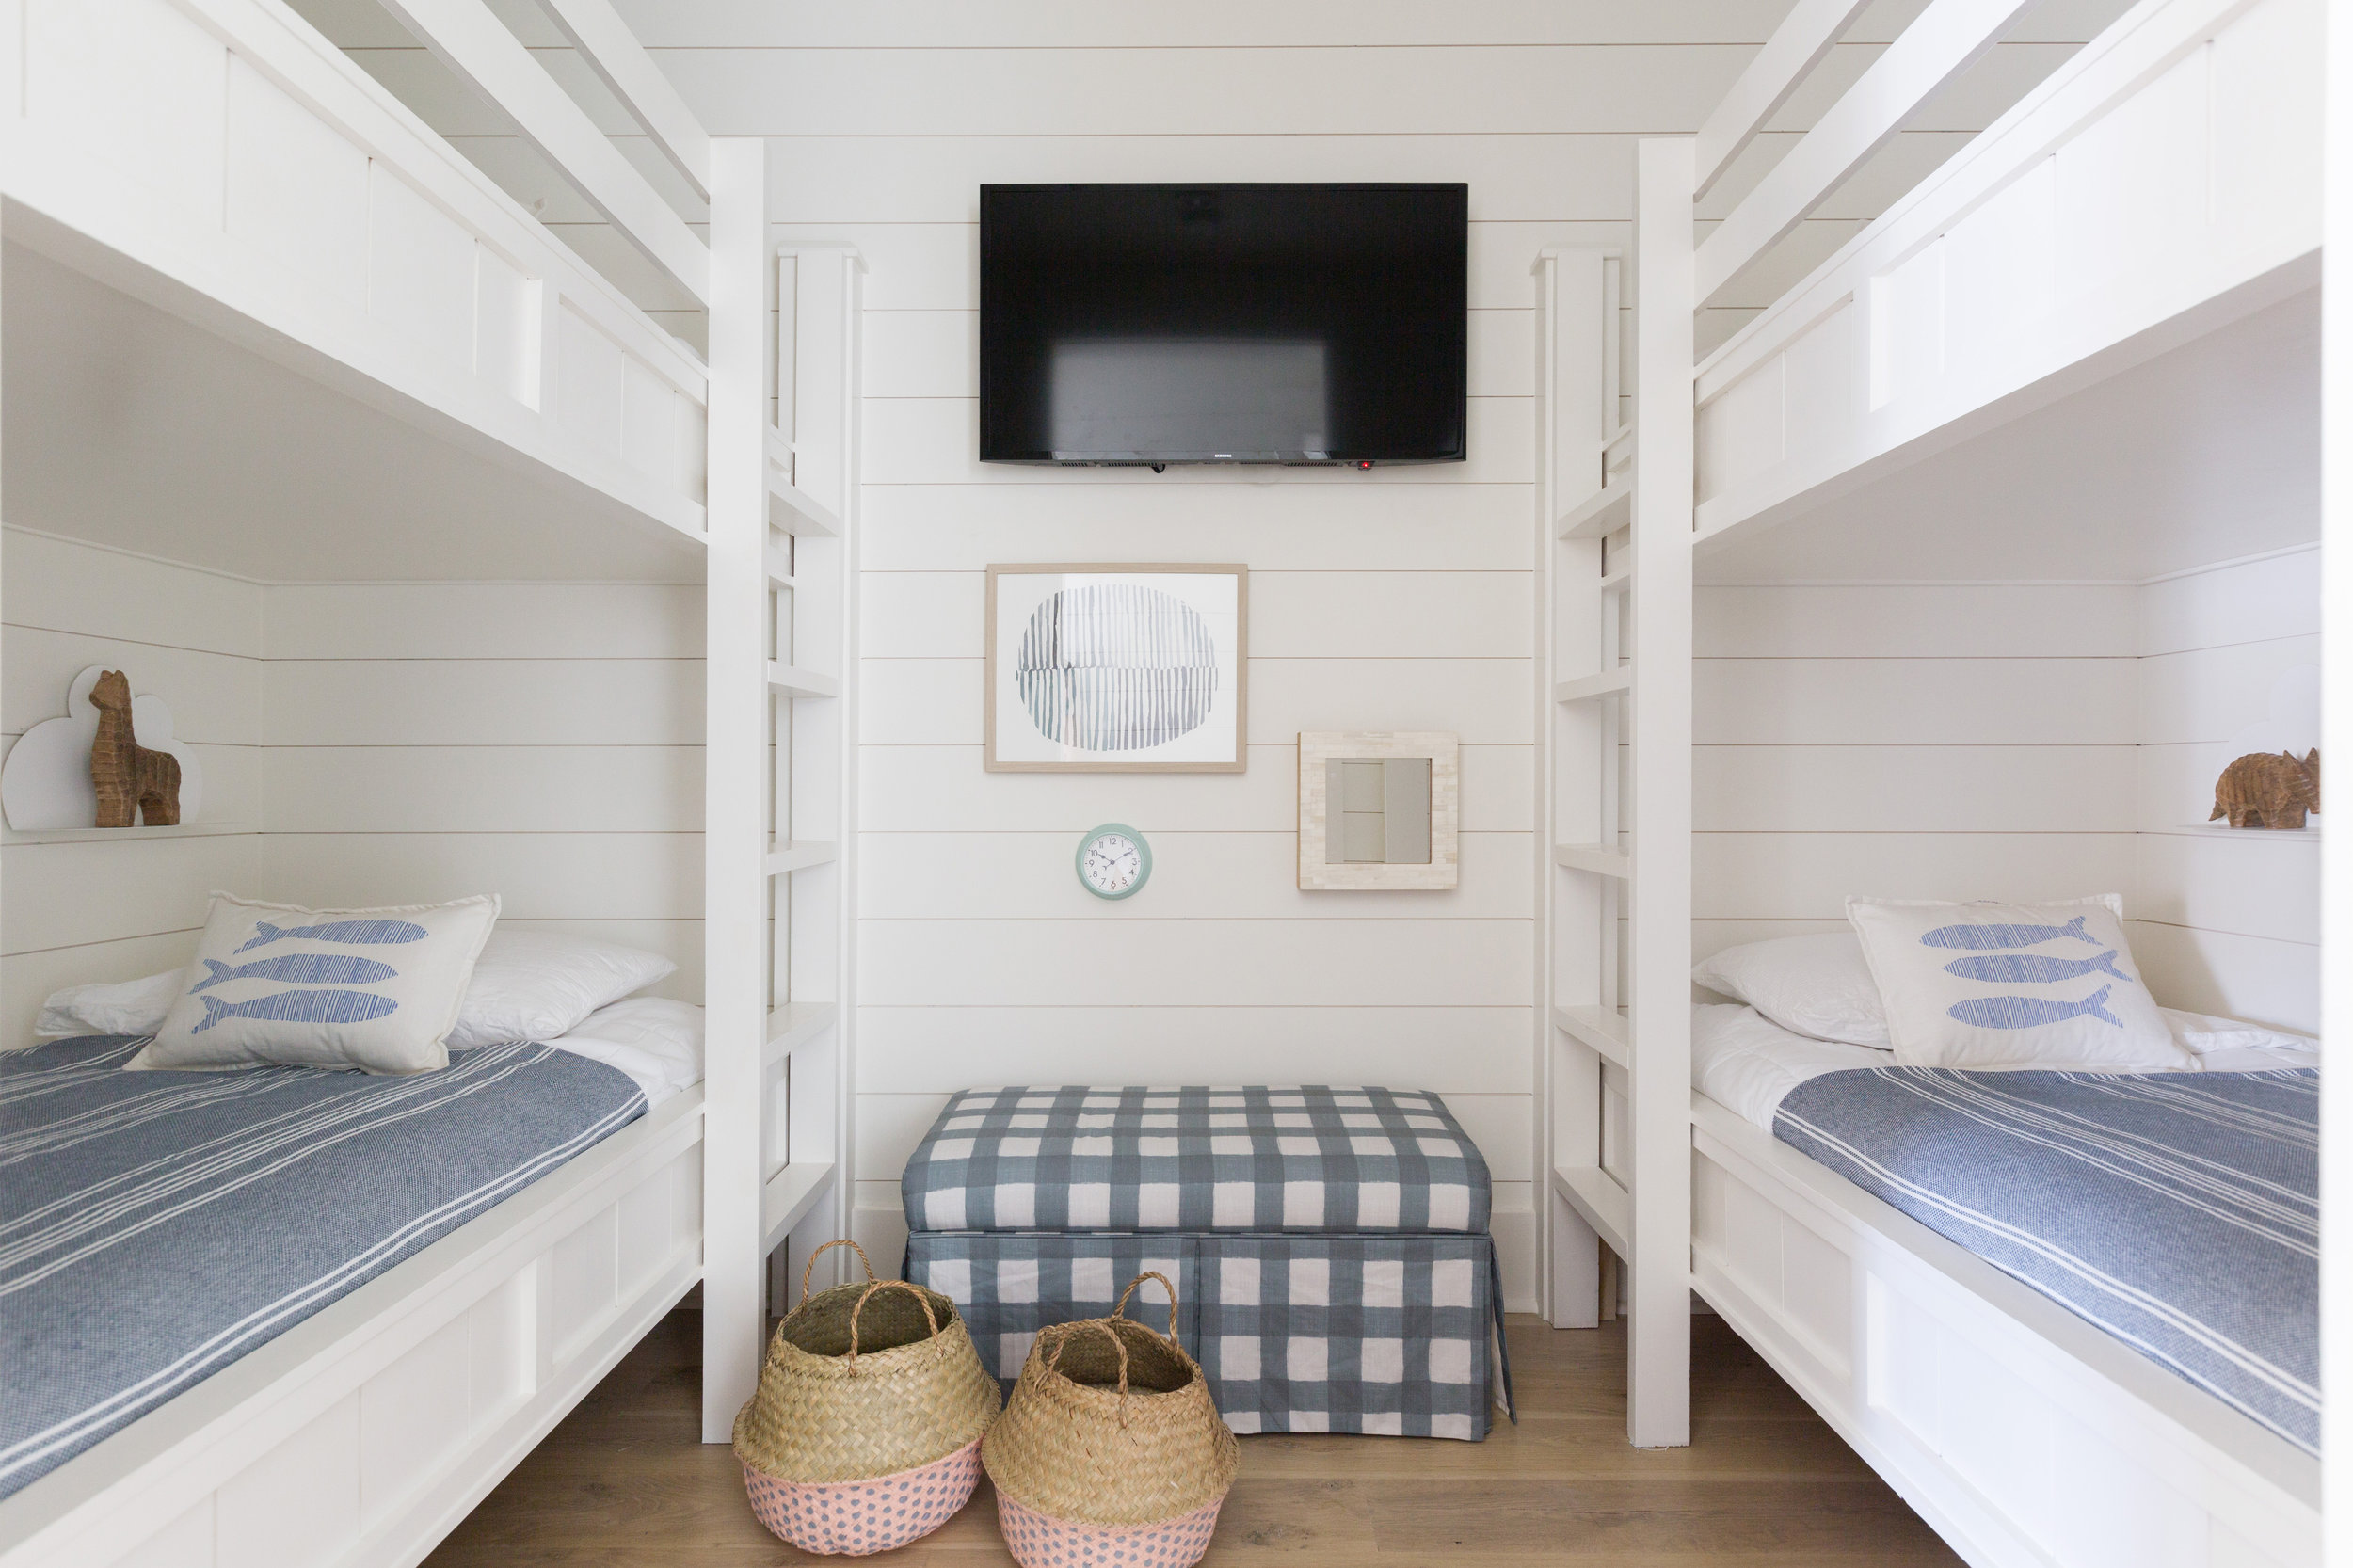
[
  {"x": 259, "y": 318},
  {"x": 2161, "y": 187}
]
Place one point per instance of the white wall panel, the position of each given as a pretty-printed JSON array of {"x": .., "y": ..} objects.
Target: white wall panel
[
  {"x": 1871, "y": 701},
  {"x": 484, "y": 702},
  {"x": 1917, "y": 789},
  {"x": 1808, "y": 876},
  {"x": 1913, "y": 622},
  {"x": 942, "y": 788}
]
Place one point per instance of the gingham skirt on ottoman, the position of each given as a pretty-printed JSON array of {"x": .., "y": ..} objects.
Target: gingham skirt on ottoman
[{"x": 1333, "y": 1267}]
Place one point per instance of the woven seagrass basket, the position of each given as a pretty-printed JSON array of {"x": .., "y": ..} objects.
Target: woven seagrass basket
[
  {"x": 865, "y": 1431},
  {"x": 1109, "y": 1450}
]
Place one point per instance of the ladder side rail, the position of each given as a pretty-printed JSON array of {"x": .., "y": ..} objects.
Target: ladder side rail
[
  {"x": 1658, "y": 1340},
  {"x": 735, "y": 826}
]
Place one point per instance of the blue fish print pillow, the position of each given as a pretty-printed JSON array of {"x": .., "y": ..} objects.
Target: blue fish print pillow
[
  {"x": 373, "y": 989},
  {"x": 1990, "y": 985}
]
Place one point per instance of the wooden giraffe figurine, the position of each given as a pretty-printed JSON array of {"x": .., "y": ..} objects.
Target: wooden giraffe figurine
[{"x": 130, "y": 779}]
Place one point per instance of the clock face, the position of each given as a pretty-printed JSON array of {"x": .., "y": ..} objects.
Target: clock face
[{"x": 1113, "y": 861}]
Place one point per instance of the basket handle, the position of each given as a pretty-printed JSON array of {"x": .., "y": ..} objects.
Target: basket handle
[
  {"x": 810, "y": 1272},
  {"x": 929, "y": 1316},
  {"x": 1121, "y": 1310},
  {"x": 1070, "y": 1331}
]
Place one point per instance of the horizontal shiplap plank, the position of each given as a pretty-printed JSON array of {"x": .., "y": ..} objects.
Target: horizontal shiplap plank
[
  {"x": 2256, "y": 601},
  {"x": 2249, "y": 882},
  {"x": 213, "y": 697},
  {"x": 1009, "y": 23},
  {"x": 1914, "y": 701},
  {"x": 1299, "y": 614},
  {"x": 486, "y": 620},
  {"x": 2260, "y": 978},
  {"x": 486, "y": 702},
  {"x": 1163, "y": 963},
  {"x": 1712, "y": 937},
  {"x": 1809, "y": 875},
  {"x": 233, "y": 776},
  {"x": 1194, "y": 876},
  {"x": 944, "y": 789},
  {"x": 2177, "y": 782},
  {"x": 2211, "y": 694},
  {"x": 1273, "y": 525},
  {"x": 1117, "y": 93},
  {"x": 1452, "y": 1050},
  {"x": 1874, "y": 620},
  {"x": 1485, "y": 701},
  {"x": 62, "y": 894},
  {"x": 1883, "y": 789},
  {"x": 612, "y": 877},
  {"x": 935, "y": 440},
  {"x": 69, "y": 586},
  {"x": 488, "y": 788}
]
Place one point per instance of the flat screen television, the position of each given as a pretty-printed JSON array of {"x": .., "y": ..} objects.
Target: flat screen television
[{"x": 1222, "y": 323}]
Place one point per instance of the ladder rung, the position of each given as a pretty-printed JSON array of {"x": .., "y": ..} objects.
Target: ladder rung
[
  {"x": 1606, "y": 1206},
  {"x": 794, "y": 1024},
  {"x": 798, "y": 854},
  {"x": 793, "y": 681},
  {"x": 1597, "y": 859},
  {"x": 1604, "y": 511},
  {"x": 1604, "y": 1029},
  {"x": 779, "y": 572},
  {"x": 791, "y": 508},
  {"x": 1617, "y": 582},
  {"x": 1588, "y": 686}
]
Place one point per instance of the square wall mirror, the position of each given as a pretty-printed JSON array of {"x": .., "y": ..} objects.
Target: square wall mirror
[{"x": 1377, "y": 811}]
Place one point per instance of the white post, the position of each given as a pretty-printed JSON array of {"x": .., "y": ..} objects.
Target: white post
[
  {"x": 2336, "y": 866},
  {"x": 734, "y": 816},
  {"x": 1658, "y": 1333}
]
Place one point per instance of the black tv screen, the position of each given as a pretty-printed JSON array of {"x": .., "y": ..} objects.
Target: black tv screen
[{"x": 1222, "y": 323}]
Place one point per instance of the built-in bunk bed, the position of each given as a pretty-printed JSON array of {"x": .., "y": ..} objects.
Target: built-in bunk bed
[
  {"x": 1958, "y": 572},
  {"x": 462, "y": 576}
]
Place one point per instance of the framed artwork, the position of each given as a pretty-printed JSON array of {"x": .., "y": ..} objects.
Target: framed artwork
[
  {"x": 1378, "y": 810},
  {"x": 1108, "y": 668}
]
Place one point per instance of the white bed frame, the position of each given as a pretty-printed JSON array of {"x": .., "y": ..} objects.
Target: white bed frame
[
  {"x": 2162, "y": 182},
  {"x": 221, "y": 160}
]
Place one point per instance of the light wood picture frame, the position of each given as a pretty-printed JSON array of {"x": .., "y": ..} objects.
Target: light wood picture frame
[
  {"x": 1098, "y": 666},
  {"x": 1413, "y": 813}
]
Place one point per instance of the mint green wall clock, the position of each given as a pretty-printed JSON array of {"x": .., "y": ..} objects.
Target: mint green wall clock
[{"x": 1113, "y": 861}]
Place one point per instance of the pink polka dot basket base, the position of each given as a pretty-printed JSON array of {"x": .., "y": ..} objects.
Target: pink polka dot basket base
[
  {"x": 853, "y": 1518},
  {"x": 1041, "y": 1541}
]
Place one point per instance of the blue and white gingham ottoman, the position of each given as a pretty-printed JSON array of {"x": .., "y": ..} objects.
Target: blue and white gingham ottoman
[{"x": 1329, "y": 1245}]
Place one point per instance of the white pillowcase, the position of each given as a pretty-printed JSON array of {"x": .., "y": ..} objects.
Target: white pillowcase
[
  {"x": 1990, "y": 985},
  {"x": 526, "y": 986},
  {"x": 654, "y": 1040},
  {"x": 539, "y": 986},
  {"x": 1816, "y": 986},
  {"x": 131, "y": 1007},
  {"x": 375, "y": 989}
]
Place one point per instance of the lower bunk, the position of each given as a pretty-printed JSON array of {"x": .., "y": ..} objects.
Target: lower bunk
[
  {"x": 248, "y": 1351},
  {"x": 2114, "y": 1392}
]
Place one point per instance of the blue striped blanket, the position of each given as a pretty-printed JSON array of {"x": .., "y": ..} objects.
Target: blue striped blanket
[
  {"x": 156, "y": 1227},
  {"x": 2178, "y": 1212}
]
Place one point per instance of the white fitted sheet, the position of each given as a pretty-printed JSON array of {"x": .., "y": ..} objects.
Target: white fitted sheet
[{"x": 1747, "y": 1064}]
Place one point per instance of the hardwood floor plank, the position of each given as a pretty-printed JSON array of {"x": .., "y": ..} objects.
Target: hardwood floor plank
[{"x": 623, "y": 1482}]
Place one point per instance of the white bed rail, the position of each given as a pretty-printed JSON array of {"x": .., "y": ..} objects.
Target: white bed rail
[
  {"x": 2163, "y": 181},
  {"x": 222, "y": 160}
]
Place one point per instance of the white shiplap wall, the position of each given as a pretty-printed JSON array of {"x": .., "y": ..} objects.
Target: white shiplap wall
[
  {"x": 83, "y": 911},
  {"x": 371, "y": 744},
  {"x": 1927, "y": 741},
  {"x": 2229, "y": 923}
]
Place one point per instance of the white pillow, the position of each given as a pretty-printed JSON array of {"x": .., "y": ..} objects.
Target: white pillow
[
  {"x": 538, "y": 984},
  {"x": 375, "y": 989},
  {"x": 1818, "y": 987},
  {"x": 654, "y": 1040},
  {"x": 131, "y": 1007},
  {"x": 1993, "y": 986}
]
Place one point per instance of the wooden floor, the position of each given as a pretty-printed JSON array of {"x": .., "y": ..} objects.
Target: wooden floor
[{"x": 624, "y": 1484}]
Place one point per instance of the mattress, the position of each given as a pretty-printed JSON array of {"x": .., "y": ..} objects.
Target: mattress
[
  {"x": 156, "y": 1227},
  {"x": 2176, "y": 1211}
]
